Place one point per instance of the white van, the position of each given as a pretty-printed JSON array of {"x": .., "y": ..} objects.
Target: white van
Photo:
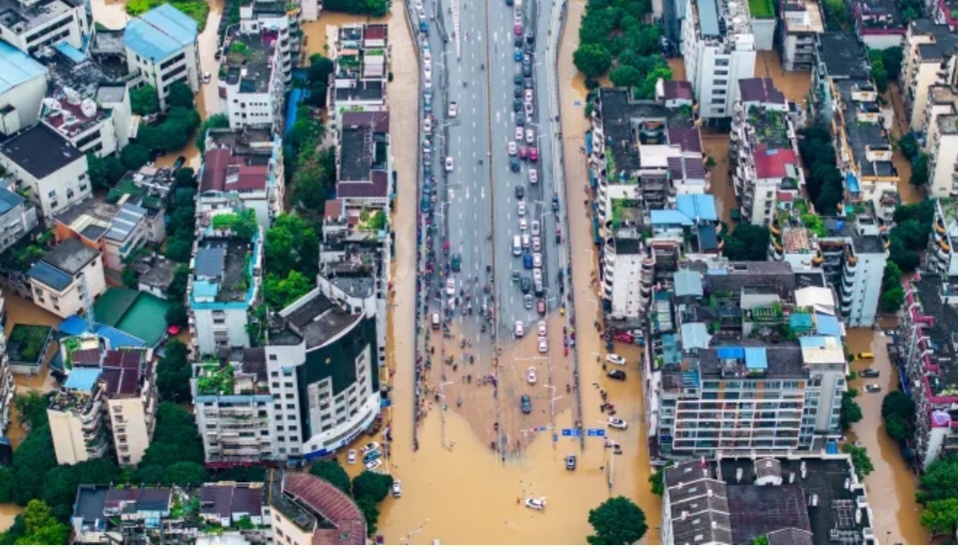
[
  {"x": 526, "y": 241},
  {"x": 435, "y": 320},
  {"x": 516, "y": 246}
]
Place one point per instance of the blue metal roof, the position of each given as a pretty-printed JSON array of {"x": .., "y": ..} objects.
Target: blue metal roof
[
  {"x": 756, "y": 358},
  {"x": 695, "y": 335},
  {"x": 50, "y": 276},
  {"x": 8, "y": 200},
  {"x": 828, "y": 325},
  {"x": 205, "y": 289},
  {"x": 697, "y": 206},
  {"x": 688, "y": 283},
  {"x": 801, "y": 321},
  {"x": 76, "y": 325},
  {"x": 82, "y": 379},
  {"x": 160, "y": 32},
  {"x": 851, "y": 183},
  {"x": 669, "y": 217},
  {"x": 730, "y": 352},
  {"x": 708, "y": 17},
  {"x": 71, "y": 52},
  {"x": 16, "y": 67},
  {"x": 813, "y": 342}
]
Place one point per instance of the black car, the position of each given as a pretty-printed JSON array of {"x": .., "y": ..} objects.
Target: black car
[
  {"x": 570, "y": 462},
  {"x": 527, "y": 82},
  {"x": 514, "y": 165},
  {"x": 517, "y": 79},
  {"x": 456, "y": 262},
  {"x": 518, "y": 41},
  {"x": 616, "y": 374},
  {"x": 520, "y": 192},
  {"x": 517, "y": 92},
  {"x": 520, "y": 119},
  {"x": 869, "y": 373},
  {"x": 517, "y": 105},
  {"x": 509, "y": 2},
  {"x": 530, "y": 37},
  {"x": 525, "y": 402},
  {"x": 525, "y": 285},
  {"x": 527, "y": 71}
]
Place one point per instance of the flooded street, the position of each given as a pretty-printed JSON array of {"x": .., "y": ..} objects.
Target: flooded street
[
  {"x": 110, "y": 13},
  {"x": 891, "y": 487}
]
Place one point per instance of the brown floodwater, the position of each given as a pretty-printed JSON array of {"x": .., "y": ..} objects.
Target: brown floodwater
[
  {"x": 716, "y": 146},
  {"x": 110, "y": 13}
]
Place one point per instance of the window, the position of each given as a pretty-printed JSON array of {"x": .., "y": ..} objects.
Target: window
[
  {"x": 272, "y": 357},
  {"x": 721, "y": 62},
  {"x": 718, "y": 101}
]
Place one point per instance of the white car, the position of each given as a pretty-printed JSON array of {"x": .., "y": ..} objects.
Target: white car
[
  {"x": 528, "y": 109},
  {"x": 512, "y": 148},
  {"x": 427, "y": 56},
  {"x": 427, "y": 81},
  {"x": 615, "y": 359},
  {"x": 351, "y": 457},
  {"x": 427, "y": 69},
  {"x": 370, "y": 447},
  {"x": 519, "y": 134},
  {"x": 542, "y": 328},
  {"x": 535, "y": 227},
  {"x": 373, "y": 465},
  {"x": 536, "y": 258},
  {"x": 528, "y": 98},
  {"x": 533, "y": 176},
  {"x": 520, "y": 329},
  {"x": 449, "y": 164},
  {"x": 522, "y": 224},
  {"x": 543, "y": 344},
  {"x": 531, "y": 376},
  {"x": 453, "y": 109},
  {"x": 536, "y": 244},
  {"x": 450, "y": 287},
  {"x": 397, "y": 489},
  {"x": 522, "y": 208},
  {"x": 207, "y": 77},
  {"x": 427, "y": 124},
  {"x": 617, "y": 423}
]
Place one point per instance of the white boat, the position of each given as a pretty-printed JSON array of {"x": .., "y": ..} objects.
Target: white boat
[{"x": 538, "y": 504}]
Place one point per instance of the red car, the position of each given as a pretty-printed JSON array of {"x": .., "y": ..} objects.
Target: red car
[
  {"x": 533, "y": 154},
  {"x": 623, "y": 337},
  {"x": 518, "y": 29},
  {"x": 522, "y": 152},
  {"x": 541, "y": 306}
]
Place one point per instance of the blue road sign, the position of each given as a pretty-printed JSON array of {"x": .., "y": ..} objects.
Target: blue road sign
[
  {"x": 595, "y": 433},
  {"x": 571, "y": 432}
]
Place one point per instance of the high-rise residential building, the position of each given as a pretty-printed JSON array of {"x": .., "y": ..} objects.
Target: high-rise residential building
[{"x": 161, "y": 49}]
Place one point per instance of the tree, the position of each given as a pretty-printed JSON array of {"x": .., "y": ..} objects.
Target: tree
[
  {"x": 891, "y": 299},
  {"x": 130, "y": 279},
  {"x": 179, "y": 248},
  {"x": 41, "y": 527},
  {"x": 760, "y": 540},
  {"x": 291, "y": 244},
  {"x": 104, "y": 172},
  {"x": 657, "y": 479},
  {"x": 939, "y": 482},
  {"x": 173, "y": 372},
  {"x": 145, "y": 101},
  {"x": 373, "y": 486},
  {"x": 626, "y": 76},
  {"x": 592, "y": 60},
  {"x": 60, "y": 483},
  {"x": 897, "y": 403},
  {"x": 851, "y": 413},
  {"x": 216, "y": 121},
  {"x": 31, "y": 408},
  {"x": 836, "y": 15},
  {"x": 861, "y": 461},
  {"x": 906, "y": 259},
  {"x": 281, "y": 292},
  {"x": 175, "y": 438},
  {"x": 747, "y": 242},
  {"x": 375, "y": 8},
  {"x": 177, "y": 315},
  {"x": 617, "y": 521},
  {"x": 310, "y": 185},
  {"x": 370, "y": 512},
  {"x": 151, "y": 474},
  {"x": 878, "y": 72},
  {"x": 31, "y": 461},
  {"x": 332, "y": 472},
  {"x": 180, "y": 95},
  {"x": 919, "y": 170},
  {"x": 941, "y": 517},
  {"x": 134, "y": 156},
  {"x": 185, "y": 473},
  {"x": 176, "y": 292}
]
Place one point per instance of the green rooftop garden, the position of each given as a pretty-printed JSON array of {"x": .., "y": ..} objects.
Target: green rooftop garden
[
  {"x": 215, "y": 379},
  {"x": 761, "y": 9},
  {"x": 624, "y": 210},
  {"x": 27, "y": 342},
  {"x": 69, "y": 344}
]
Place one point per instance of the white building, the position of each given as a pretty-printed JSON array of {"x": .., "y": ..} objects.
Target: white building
[
  {"x": 8, "y": 386},
  {"x": 46, "y": 164},
  {"x": 928, "y": 60},
  {"x": 364, "y": 159},
  {"x": 801, "y": 21},
  {"x": 76, "y": 418},
  {"x": 941, "y": 256},
  {"x": 624, "y": 269},
  {"x": 119, "y": 231},
  {"x": 281, "y": 24},
  {"x": 86, "y": 104},
  {"x": 253, "y": 89},
  {"x": 67, "y": 278},
  {"x": 361, "y": 57},
  {"x": 31, "y": 26},
  {"x": 17, "y": 218},
  {"x": 243, "y": 170},
  {"x": 23, "y": 83},
  {"x": 161, "y": 48},
  {"x": 719, "y": 50}
]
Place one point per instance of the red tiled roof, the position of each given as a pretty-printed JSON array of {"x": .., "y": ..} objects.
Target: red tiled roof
[
  {"x": 85, "y": 357},
  {"x": 377, "y": 188},
  {"x": 222, "y": 171},
  {"x": 215, "y": 163},
  {"x": 250, "y": 177},
  {"x": 771, "y": 163},
  {"x": 333, "y": 505},
  {"x": 678, "y": 90},
  {"x": 333, "y": 208},
  {"x": 378, "y": 121},
  {"x": 375, "y": 32},
  {"x": 688, "y": 138}
]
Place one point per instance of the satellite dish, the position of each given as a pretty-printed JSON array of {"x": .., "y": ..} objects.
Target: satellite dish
[
  {"x": 88, "y": 107},
  {"x": 72, "y": 96},
  {"x": 52, "y": 104}
]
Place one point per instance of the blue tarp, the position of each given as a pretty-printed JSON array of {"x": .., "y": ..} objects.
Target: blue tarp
[
  {"x": 83, "y": 379},
  {"x": 71, "y": 52},
  {"x": 851, "y": 183},
  {"x": 669, "y": 217},
  {"x": 76, "y": 325},
  {"x": 588, "y": 143},
  {"x": 697, "y": 206},
  {"x": 756, "y": 358},
  {"x": 296, "y": 96},
  {"x": 730, "y": 353}
]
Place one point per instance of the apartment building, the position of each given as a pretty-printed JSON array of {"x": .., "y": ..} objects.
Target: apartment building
[
  {"x": 783, "y": 498},
  {"x": 32, "y": 26},
  {"x": 47, "y": 165},
  {"x": 243, "y": 170},
  {"x": 364, "y": 159},
  {"x": 879, "y": 23},
  {"x": 926, "y": 350},
  {"x": 801, "y": 22},
  {"x": 76, "y": 418},
  {"x": 361, "y": 57},
  {"x": 838, "y": 56},
  {"x": 130, "y": 397},
  {"x": 281, "y": 24},
  {"x": 764, "y": 151},
  {"x": 928, "y": 61},
  {"x": 17, "y": 218},
  {"x": 22, "y": 86},
  {"x": 737, "y": 365},
  {"x": 943, "y": 12},
  {"x": 116, "y": 231},
  {"x": 943, "y": 158},
  {"x": 87, "y": 105},
  {"x": 253, "y": 86},
  {"x": 940, "y": 256},
  {"x": 67, "y": 279},
  {"x": 161, "y": 49},
  {"x": 225, "y": 279},
  {"x": 308, "y": 510},
  {"x": 718, "y": 48},
  {"x": 8, "y": 386}
]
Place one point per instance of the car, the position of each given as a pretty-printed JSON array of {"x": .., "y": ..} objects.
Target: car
[
  {"x": 509, "y": 2},
  {"x": 517, "y": 93},
  {"x": 617, "y": 423},
  {"x": 535, "y": 227},
  {"x": 427, "y": 82},
  {"x": 528, "y": 107},
  {"x": 527, "y": 301},
  {"x": 518, "y": 134},
  {"x": 449, "y": 164},
  {"x": 427, "y": 56},
  {"x": 888, "y": 333},
  {"x": 527, "y": 264},
  {"x": 533, "y": 176},
  {"x": 427, "y": 69},
  {"x": 615, "y": 359},
  {"x": 450, "y": 287},
  {"x": 453, "y": 109},
  {"x": 519, "y": 329},
  {"x": 623, "y": 337},
  {"x": 520, "y": 191},
  {"x": 872, "y": 388},
  {"x": 218, "y": 55},
  {"x": 521, "y": 208},
  {"x": 456, "y": 262},
  {"x": 537, "y": 244},
  {"x": 514, "y": 165},
  {"x": 427, "y": 124},
  {"x": 512, "y": 148},
  {"x": 570, "y": 462},
  {"x": 525, "y": 285},
  {"x": 531, "y": 376},
  {"x": 516, "y": 105},
  {"x": 543, "y": 344},
  {"x": 517, "y": 79},
  {"x": 530, "y": 37},
  {"x": 616, "y": 374},
  {"x": 537, "y": 275},
  {"x": 533, "y": 154},
  {"x": 542, "y": 328},
  {"x": 522, "y": 224},
  {"x": 527, "y": 81},
  {"x": 517, "y": 55},
  {"x": 372, "y": 455},
  {"x": 207, "y": 77},
  {"x": 373, "y": 465},
  {"x": 517, "y": 42},
  {"x": 351, "y": 457},
  {"x": 397, "y": 489},
  {"x": 530, "y": 133},
  {"x": 518, "y": 29},
  {"x": 527, "y": 72},
  {"x": 523, "y": 152},
  {"x": 541, "y": 306},
  {"x": 869, "y": 373},
  {"x": 525, "y": 403},
  {"x": 536, "y": 259},
  {"x": 370, "y": 447},
  {"x": 520, "y": 119}
]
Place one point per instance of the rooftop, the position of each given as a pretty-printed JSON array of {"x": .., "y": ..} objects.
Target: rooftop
[
  {"x": 225, "y": 500},
  {"x": 220, "y": 270},
  {"x": 80, "y": 94},
  {"x": 783, "y": 360},
  {"x": 160, "y": 33},
  {"x": 739, "y": 275},
  {"x": 364, "y": 90},
  {"x": 40, "y": 151},
  {"x": 90, "y": 218},
  {"x": 9, "y": 201},
  {"x": 16, "y": 67},
  {"x": 314, "y": 504},
  {"x": 843, "y": 55},
  {"x": 761, "y": 90},
  {"x": 675, "y": 90},
  {"x": 364, "y": 139},
  {"x": 879, "y": 15},
  {"x": 802, "y": 16},
  {"x": 941, "y": 333},
  {"x": 774, "y": 162},
  {"x": 225, "y": 172},
  {"x": 862, "y": 243},
  {"x": 318, "y": 319},
  {"x": 57, "y": 268},
  {"x": 21, "y": 17},
  {"x": 123, "y": 371},
  {"x": 249, "y": 61}
]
